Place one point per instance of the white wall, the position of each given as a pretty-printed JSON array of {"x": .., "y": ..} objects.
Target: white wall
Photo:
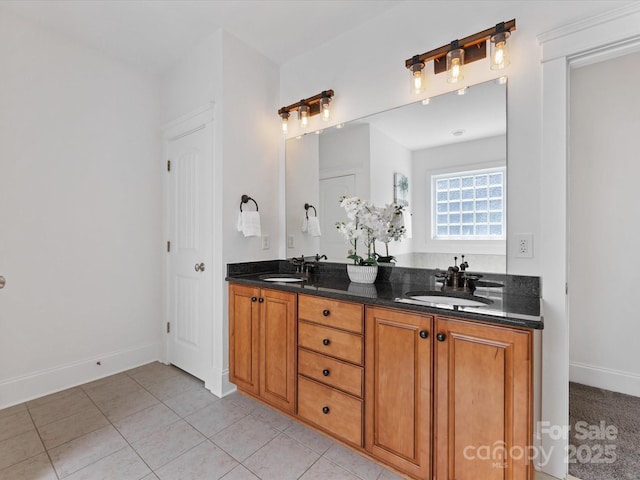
[
  {"x": 80, "y": 214},
  {"x": 603, "y": 173},
  {"x": 472, "y": 155}
]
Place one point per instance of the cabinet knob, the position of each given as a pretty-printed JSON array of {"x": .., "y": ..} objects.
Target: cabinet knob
[
  {"x": 325, "y": 341},
  {"x": 254, "y": 299},
  {"x": 260, "y": 300},
  {"x": 325, "y": 372},
  {"x": 424, "y": 334},
  {"x": 326, "y": 313},
  {"x": 325, "y": 410},
  {"x": 441, "y": 337}
]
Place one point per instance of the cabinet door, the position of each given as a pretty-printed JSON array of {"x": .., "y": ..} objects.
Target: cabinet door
[
  {"x": 483, "y": 418},
  {"x": 278, "y": 348},
  {"x": 243, "y": 337},
  {"x": 398, "y": 389}
]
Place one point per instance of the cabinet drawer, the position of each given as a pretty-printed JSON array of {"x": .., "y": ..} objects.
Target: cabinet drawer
[
  {"x": 333, "y": 372},
  {"x": 330, "y": 341},
  {"x": 333, "y": 313},
  {"x": 334, "y": 411}
]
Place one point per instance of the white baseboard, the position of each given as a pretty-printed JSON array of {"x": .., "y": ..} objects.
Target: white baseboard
[
  {"x": 37, "y": 384},
  {"x": 600, "y": 377},
  {"x": 219, "y": 383}
]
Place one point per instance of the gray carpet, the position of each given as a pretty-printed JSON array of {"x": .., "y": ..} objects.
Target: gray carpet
[{"x": 593, "y": 457}]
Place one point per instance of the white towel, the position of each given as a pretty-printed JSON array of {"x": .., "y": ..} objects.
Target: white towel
[
  {"x": 313, "y": 226},
  {"x": 249, "y": 224},
  {"x": 305, "y": 225}
]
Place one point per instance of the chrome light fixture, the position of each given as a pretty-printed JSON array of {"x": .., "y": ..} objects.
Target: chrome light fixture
[
  {"x": 307, "y": 108},
  {"x": 450, "y": 58}
]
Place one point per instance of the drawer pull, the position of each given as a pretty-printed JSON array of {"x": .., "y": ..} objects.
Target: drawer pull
[
  {"x": 254, "y": 299},
  {"x": 441, "y": 337},
  {"x": 325, "y": 341},
  {"x": 260, "y": 300},
  {"x": 325, "y": 372},
  {"x": 424, "y": 334},
  {"x": 326, "y": 313},
  {"x": 325, "y": 410}
]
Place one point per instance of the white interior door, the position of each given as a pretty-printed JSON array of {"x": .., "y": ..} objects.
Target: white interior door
[
  {"x": 332, "y": 243},
  {"x": 189, "y": 269}
]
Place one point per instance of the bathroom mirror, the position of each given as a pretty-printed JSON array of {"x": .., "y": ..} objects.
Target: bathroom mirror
[{"x": 446, "y": 160}]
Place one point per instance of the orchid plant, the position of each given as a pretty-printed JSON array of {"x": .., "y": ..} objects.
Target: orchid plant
[
  {"x": 369, "y": 223},
  {"x": 393, "y": 220}
]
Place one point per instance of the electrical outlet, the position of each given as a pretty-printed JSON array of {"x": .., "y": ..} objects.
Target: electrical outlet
[
  {"x": 524, "y": 245},
  {"x": 266, "y": 242},
  {"x": 290, "y": 242}
]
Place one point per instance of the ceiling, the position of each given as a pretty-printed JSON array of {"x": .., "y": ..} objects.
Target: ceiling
[{"x": 154, "y": 34}]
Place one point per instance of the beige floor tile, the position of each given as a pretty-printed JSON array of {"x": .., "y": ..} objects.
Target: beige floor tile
[
  {"x": 10, "y": 411},
  {"x": 281, "y": 459},
  {"x": 191, "y": 401},
  {"x": 389, "y": 475},
  {"x": 61, "y": 395},
  {"x": 205, "y": 461},
  {"x": 167, "y": 443},
  {"x": 127, "y": 404},
  {"x": 276, "y": 419},
  {"x": 245, "y": 437},
  {"x": 34, "y": 468},
  {"x": 60, "y": 407},
  {"x": 153, "y": 372},
  {"x": 323, "y": 469},
  {"x": 13, "y": 425},
  {"x": 82, "y": 451},
  {"x": 309, "y": 438},
  {"x": 145, "y": 422},
  {"x": 216, "y": 417},
  {"x": 151, "y": 476},
  {"x": 112, "y": 390},
  {"x": 124, "y": 464},
  {"x": 244, "y": 401},
  {"x": 354, "y": 463},
  {"x": 74, "y": 426},
  {"x": 20, "y": 447},
  {"x": 101, "y": 382},
  {"x": 240, "y": 473},
  {"x": 170, "y": 387}
]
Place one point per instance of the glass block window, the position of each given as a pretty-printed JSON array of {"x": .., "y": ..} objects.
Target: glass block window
[{"x": 469, "y": 205}]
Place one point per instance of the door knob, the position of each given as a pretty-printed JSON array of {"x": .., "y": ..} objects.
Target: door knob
[
  {"x": 2, "y": 281},
  {"x": 199, "y": 267}
]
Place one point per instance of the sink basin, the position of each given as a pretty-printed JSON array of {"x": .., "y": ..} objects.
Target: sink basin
[
  {"x": 447, "y": 299},
  {"x": 282, "y": 277}
]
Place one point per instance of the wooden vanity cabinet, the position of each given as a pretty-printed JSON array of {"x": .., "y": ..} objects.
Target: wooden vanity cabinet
[
  {"x": 398, "y": 389},
  {"x": 331, "y": 366},
  {"x": 482, "y": 402},
  {"x": 262, "y": 344}
]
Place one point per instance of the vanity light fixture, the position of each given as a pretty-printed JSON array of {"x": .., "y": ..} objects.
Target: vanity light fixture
[
  {"x": 453, "y": 56},
  {"x": 307, "y": 108}
]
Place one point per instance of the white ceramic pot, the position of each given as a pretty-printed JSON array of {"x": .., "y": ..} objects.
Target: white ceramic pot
[{"x": 362, "y": 273}]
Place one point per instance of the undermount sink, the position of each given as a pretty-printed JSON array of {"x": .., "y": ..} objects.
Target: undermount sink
[
  {"x": 282, "y": 277},
  {"x": 446, "y": 299}
]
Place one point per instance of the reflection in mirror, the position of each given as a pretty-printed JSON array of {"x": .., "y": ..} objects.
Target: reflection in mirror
[{"x": 445, "y": 160}]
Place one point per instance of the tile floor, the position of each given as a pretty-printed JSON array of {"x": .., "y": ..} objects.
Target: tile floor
[{"x": 157, "y": 422}]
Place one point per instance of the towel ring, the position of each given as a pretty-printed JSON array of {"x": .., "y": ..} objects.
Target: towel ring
[
  {"x": 245, "y": 199},
  {"x": 307, "y": 206}
]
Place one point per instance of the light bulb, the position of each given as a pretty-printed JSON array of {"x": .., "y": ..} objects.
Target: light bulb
[
  {"x": 499, "y": 53},
  {"x": 325, "y": 109},
  {"x": 303, "y": 116},
  {"x": 417, "y": 76},
  {"x": 285, "y": 126},
  {"x": 455, "y": 60}
]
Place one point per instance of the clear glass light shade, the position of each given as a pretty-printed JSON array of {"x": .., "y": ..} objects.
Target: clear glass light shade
[
  {"x": 418, "y": 78},
  {"x": 499, "y": 51},
  {"x": 455, "y": 60},
  {"x": 285, "y": 125},
  {"x": 325, "y": 108},
  {"x": 303, "y": 116}
]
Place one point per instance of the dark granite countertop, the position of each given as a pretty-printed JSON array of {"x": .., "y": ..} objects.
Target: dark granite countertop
[{"x": 516, "y": 303}]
